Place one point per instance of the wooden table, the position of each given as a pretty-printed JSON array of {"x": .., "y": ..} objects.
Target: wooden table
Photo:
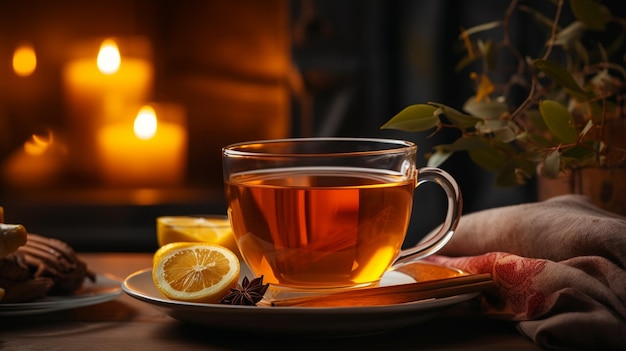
[{"x": 129, "y": 324}]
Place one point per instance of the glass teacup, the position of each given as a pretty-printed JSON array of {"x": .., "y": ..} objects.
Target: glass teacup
[{"x": 320, "y": 214}]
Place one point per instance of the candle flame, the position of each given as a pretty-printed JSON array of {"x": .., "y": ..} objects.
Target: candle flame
[
  {"x": 145, "y": 125},
  {"x": 38, "y": 144},
  {"x": 24, "y": 60},
  {"x": 109, "y": 58}
]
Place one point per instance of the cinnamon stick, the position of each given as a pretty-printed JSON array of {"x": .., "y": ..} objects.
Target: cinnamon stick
[{"x": 395, "y": 294}]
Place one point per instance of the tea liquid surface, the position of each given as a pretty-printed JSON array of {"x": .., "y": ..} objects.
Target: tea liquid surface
[{"x": 319, "y": 227}]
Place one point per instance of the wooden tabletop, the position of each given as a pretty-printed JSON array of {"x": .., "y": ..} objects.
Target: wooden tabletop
[{"x": 128, "y": 324}]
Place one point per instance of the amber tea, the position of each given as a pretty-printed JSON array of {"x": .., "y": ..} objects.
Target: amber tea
[{"x": 320, "y": 227}]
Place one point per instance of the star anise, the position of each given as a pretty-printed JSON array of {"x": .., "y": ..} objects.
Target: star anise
[{"x": 247, "y": 293}]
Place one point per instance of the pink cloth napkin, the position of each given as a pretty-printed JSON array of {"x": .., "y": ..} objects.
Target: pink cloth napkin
[{"x": 559, "y": 268}]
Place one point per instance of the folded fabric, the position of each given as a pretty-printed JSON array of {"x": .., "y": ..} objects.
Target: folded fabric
[{"x": 559, "y": 268}]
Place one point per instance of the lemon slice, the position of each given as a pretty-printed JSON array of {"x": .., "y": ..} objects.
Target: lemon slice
[
  {"x": 205, "y": 229},
  {"x": 195, "y": 272}
]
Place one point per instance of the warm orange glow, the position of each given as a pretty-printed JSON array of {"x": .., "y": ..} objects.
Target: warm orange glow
[
  {"x": 24, "y": 60},
  {"x": 145, "y": 125},
  {"x": 109, "y": 58},
  {"x": 38, "y": 163},
  {"x": 137, "y": 153},
  {"x": 38, "y": 144}
]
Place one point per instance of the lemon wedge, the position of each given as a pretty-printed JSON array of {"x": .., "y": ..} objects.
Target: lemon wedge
[{"x": 205, "y": 229}]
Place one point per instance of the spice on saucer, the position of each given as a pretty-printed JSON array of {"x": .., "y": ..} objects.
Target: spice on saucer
[{"x": 247, "y": 293}]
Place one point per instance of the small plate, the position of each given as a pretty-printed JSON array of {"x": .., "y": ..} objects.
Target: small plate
[
  {"x": 105, "y": 288},
  {"x": 317, "y": 321}
]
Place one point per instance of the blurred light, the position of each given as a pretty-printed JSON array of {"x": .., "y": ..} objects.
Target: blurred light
[
  {"x": 145, "y": 125},
  {"x": 109, "y": 58},
  {"x": 24, "y": 60},
  {"x": 38, "y": 144}
]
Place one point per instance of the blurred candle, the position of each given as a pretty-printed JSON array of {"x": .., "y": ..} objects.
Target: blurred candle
[
  {"x": 147, "y": 152},
  {"x": 106, "y": 83},
  {"x": 101, "y": 85},
  {"x": 22, "y": 92},
  {"x": 24, "y": 60}
]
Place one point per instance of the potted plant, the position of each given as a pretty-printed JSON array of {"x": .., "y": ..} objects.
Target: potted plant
[{"x": 561, "y": 110}]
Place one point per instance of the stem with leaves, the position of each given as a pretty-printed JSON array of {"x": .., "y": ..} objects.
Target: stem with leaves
[{"x": 573, "y": 113}]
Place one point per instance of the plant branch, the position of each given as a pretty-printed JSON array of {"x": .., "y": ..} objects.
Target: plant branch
[{"x": 555, "y": 26}]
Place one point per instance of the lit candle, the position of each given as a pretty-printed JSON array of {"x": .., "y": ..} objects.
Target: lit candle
[
  {"x": 100, "y": 87},
  {"x": 103, "y": 85},
  {"x": 147, "y": 152}
]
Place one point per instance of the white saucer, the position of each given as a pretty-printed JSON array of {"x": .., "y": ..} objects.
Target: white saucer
[{"x": 316, "y": 321}]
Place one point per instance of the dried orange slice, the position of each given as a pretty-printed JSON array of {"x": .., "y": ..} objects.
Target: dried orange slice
[{"x": 195, "y": 272}]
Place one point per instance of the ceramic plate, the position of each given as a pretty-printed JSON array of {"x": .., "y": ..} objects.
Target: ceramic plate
[
  {"x": 318, "y": 321},
  {"x": 105, "y": 288}
]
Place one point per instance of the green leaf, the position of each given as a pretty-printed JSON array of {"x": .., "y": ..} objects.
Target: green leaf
[
  {"x": 459, "y": 119},
  {"x": 587, "y": 128},
  {"x": 500, "y": 130},
  {"x": 579, "y": 154},
  {"x": 488, "y": 157},
  {"x": 559, "y": 121},
  {"x": 581, "y": 52},
  {"x": 590, "y": 13},
  {"x": 491, "y": 109},
  {"x": 570, "y": 34},
  {"x": 505, "y": 134},
  {"x": 530, "y": 159},
  {"x": 480, "y": 28},
  {"x": 611, "y": 83},
  {"x": 552, "y": 165},
  {"x": 536, "y": 120},
  {"x": 561, "y": 76},
  {"x": 541, "y": 140},
  {"x": 438, "y": 158},
  {"x": 414, "y": 118}
]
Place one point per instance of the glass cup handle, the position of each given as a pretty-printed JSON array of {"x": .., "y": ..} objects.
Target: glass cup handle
[{"x": 432, "y": 243}]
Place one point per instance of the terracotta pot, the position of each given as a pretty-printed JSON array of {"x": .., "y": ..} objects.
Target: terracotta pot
[{"x": 605, "y": 187}]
